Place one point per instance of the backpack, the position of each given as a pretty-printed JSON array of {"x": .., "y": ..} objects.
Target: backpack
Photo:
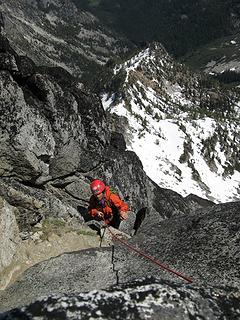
[{"x": 113, "y": 191}]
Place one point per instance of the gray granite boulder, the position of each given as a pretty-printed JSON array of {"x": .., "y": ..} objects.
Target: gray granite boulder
[
  {"x": 145, "y": 299},
  {"x": 71, "y": 272},
  {"x": 203, "y": 247}
]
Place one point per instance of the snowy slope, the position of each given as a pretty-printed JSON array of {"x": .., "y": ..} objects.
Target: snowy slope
[{"x": 181, "y": 147}]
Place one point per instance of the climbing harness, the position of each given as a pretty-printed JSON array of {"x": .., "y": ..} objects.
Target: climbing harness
[{"x": 153, "y": 260}]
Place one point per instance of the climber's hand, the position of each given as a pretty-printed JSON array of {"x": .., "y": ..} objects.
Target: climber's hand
[
  {"x": 100, "y": 214},
  {"x": 123, "y": 215}
]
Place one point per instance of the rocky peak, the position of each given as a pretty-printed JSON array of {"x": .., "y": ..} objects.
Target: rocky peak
[{"x": 188, "y": 121}]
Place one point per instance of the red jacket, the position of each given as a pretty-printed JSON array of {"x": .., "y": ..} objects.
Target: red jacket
[{"x": 107, "y": 206}]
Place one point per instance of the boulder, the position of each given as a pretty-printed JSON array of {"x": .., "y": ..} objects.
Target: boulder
[{"x": 148, "y": 298}]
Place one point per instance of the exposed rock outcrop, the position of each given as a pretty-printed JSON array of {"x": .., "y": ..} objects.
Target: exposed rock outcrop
[
  {"x": 54, "y": 139},
  {"x": 145, "y": 299},
  {"x": 202, "y": 246},
  {"x": 9, "y": 233}
]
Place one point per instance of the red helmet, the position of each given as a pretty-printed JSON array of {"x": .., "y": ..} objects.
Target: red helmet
[{"x": 97, "y": 187}]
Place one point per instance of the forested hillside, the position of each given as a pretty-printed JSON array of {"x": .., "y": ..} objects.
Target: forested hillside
[{"x": 179, "y": 25}]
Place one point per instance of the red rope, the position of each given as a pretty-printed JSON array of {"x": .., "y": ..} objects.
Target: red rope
[{"x": 153, "y": 260}]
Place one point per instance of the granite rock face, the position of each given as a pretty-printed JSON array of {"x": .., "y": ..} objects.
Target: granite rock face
[
  {"x": 71, "y": 272},
  {"x": 201, "y": 247},
  {"x": 54, "y": 139},
  {"x": 145, "y": 299},
  {"x": 9, "y": 233},
  {"x": 45, "y": 135}
]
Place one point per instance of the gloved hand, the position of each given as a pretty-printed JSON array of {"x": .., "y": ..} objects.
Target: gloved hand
[{"x": 100, "y": 215}]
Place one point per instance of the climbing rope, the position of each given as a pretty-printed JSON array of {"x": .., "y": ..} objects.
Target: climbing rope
[{"x": 153, "y": 260}]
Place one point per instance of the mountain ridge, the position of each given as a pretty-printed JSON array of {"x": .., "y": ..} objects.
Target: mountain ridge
[
  {"x": 53, "y": 33},
  {"x": 55, "y": 138},
  {"x": 177, "y": 113}
]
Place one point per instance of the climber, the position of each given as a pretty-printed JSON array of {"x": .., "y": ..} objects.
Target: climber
[{"x": 106, "y": 205}]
